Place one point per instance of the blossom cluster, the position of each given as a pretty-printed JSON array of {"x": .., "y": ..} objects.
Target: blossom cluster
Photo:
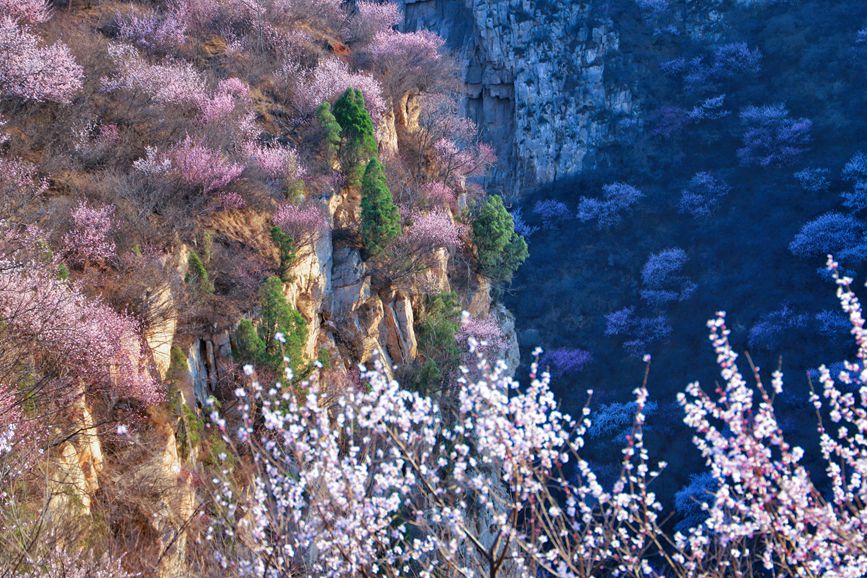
[
  {"x": 34, "y": 72},
  {"x": 88, "y": 240},
  {"x": 202, "y": 167}
]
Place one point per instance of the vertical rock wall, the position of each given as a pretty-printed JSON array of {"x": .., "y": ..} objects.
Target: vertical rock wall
[{"x": 535, "y": 81}]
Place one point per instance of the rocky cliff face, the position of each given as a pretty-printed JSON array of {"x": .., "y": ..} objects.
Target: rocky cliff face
[{"x": 535, "y": 81}]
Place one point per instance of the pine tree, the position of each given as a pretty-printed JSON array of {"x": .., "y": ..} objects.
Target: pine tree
[
  {"x": 380, "y": 219},
  {"x": 501, "y": 249},
  {"x": 359, "y": 139}
]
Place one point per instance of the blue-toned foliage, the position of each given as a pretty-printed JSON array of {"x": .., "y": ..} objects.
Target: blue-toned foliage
[
  {"x": 771, "y": 136},
  {"x": 661, "y": 266},
  {"x": 607, "y": 211},
  {"x": 815, "y": 180},
  {"x": 689, "y": 499},
  {"x": 551, "y": 212},
  {"x": 831, "y": 233},
  {"x": 703, "y": 194},
  {"x": 614, "y": 420},
  {"x": 770, "y": 330}
]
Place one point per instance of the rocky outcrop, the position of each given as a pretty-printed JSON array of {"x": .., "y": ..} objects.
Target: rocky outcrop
[{"x": 535, "y": 81}]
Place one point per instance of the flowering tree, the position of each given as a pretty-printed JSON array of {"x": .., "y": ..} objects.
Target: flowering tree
[
  {"x": 303, "y": 223},
  {"x": 606, "y": 212},
  {"x": 372, "y": 18},
  {"x": 73, "y": 336},
  {"x": 19, "y": 184},
  {"x": 277, "y": 162},
  {"x": 202, "y": 167},
  {"x": 433, "y": 230},
  {"x": 330, "y": 79},
  {"x": 377, "y": 482},
  {"x": 89, "y": 240},
  {"x": 703, "y": 194},
  {"x": 154, "y": 31},
  {"x": 551, "y": 212},
  {"x": 30, "y": 71},
  {"x": 771, "y": 137},
  {"x": 409, "y": 61},
  {"x": 29, "y": 11},
  {"x": 170, "y": 83}
]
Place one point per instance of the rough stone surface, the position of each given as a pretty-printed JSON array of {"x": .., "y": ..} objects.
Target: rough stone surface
[{"x": 535, "y": 81}]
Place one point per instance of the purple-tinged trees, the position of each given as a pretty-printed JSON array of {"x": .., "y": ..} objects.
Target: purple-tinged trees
[
  {"x": 771, "y": 137},
  {"x": 662, "y": 280},
  {"x": 552, "y": 212},
  {"x": 710, "y": 109},
  {"x": 373, "y": 18},
  {"x": 158, "y": 32},
  {"x": 330, "y": 79},
  {"x": 33, "y": 72},
  {"x": 771, "y": 328},
  {"x": 88, "y": 241},
  {"x": 566, "y": 361},
  {"x": 855, "y": 172},
  {"x": 727, "y": 62},
  {"x": 409, "y": 61},
  {"x": 19, "y": 184},
  {"x": 607, "y": 211},
  {"x": 703, "y": 194},
  {"x": 434, "y": 230},
  {"x": 277, "y": 162},
  {"x": 302, "y": 223}
]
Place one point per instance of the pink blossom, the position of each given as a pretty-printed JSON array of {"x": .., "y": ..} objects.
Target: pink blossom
[
  {"x": 199, "y": 166},
  {"x": 434, "y": 229},
  {"x": 88, "y": 240},
  {"x": 275, "y": 161},
  {"x": 33, "y": 72},
  {"x": 331, "y": 78},
  {"x": 302, "y": 223},
  {"x": 439, "y": 194},
  {"x": 154, "y": 31},
  {"x": 77, "y": 336},
  {"x": 29, "y": 11},
  {"x": 230, "y": 201},
  {"x": 170, "y": 83},
  {"x": 485, "y": 333},
  {"x": 373, "y": 18}
]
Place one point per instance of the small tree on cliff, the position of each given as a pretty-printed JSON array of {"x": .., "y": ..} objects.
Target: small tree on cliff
[
  {"x": 501, "y": 249},
  {"x": 359, "y": 140},
  {"x": 380, "y": 219},
  {"x": 281, "y": 332}
]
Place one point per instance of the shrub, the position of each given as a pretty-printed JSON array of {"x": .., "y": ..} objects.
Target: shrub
[
  {"x": 501, "y": 250},
  {"x": 277, "y": 162},
  {"x": 197, "y": 274},
  {"x": 433, "y": 230},
  {"x": 28, "y": 11},
  {"x": 660, "y": 267},
  {"x": 409, "y": 61},
  {"x": 88, "y": 240},
  {"x": 813, "y": 180},
  {"x": 202, "y": 167},
  {"x": 287, "y": 250},
  {"x": 551, "y": 212},
  {"x": 380, "y": 219},
  {"x": 437, "y": 330},
  {"x": 302, "y": 223},
  {"x": 607, "y": 212},
  {"x": 282, "y": 328},
  {"x": 171, "y": 83},
  {"x": 566, "y": 361},
  {"x": 332, "y": 78}
]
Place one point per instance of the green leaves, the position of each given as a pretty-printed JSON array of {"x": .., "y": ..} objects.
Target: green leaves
[
  {"x": 380, "y": 219},
  {"x": 501, "y": 249}
]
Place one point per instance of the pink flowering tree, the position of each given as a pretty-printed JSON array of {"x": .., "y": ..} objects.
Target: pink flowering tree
[
  {"x": 75, "y": 340},
  {"x": 409, "y": 62},
  {"x": 201, "y": 167},
  {"x": 27, "y": 11},
  {"x": 174, "y": 83},
  {"x": 486, "y": 332},
  {"x": 31, "y": 71},
  {"x": 276, "y": 162},
  {"x": 162, "y": 33},
  {"x": 303, "y": 223},
  {"x": 425, "y": 240},
  {"x": 330, "y": 79},
  {"x": 19, "y": 185},
  {"x": 89, "y": 239},
  {"x": 372, "y": 18}
]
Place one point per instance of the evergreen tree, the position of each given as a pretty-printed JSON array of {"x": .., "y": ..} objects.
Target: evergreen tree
[
  {"x": 197, "y": 274},
  {"x": 380, "y": 219},
  {"x": 359, "y": 140},
  {"x": 332, "y": 130},
  {"x": 501, "y": 249},
  {"x": 288, "y": 251}
]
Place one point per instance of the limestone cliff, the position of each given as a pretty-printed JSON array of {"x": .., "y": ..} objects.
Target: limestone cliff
[{"x": 535, "y": 80}]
